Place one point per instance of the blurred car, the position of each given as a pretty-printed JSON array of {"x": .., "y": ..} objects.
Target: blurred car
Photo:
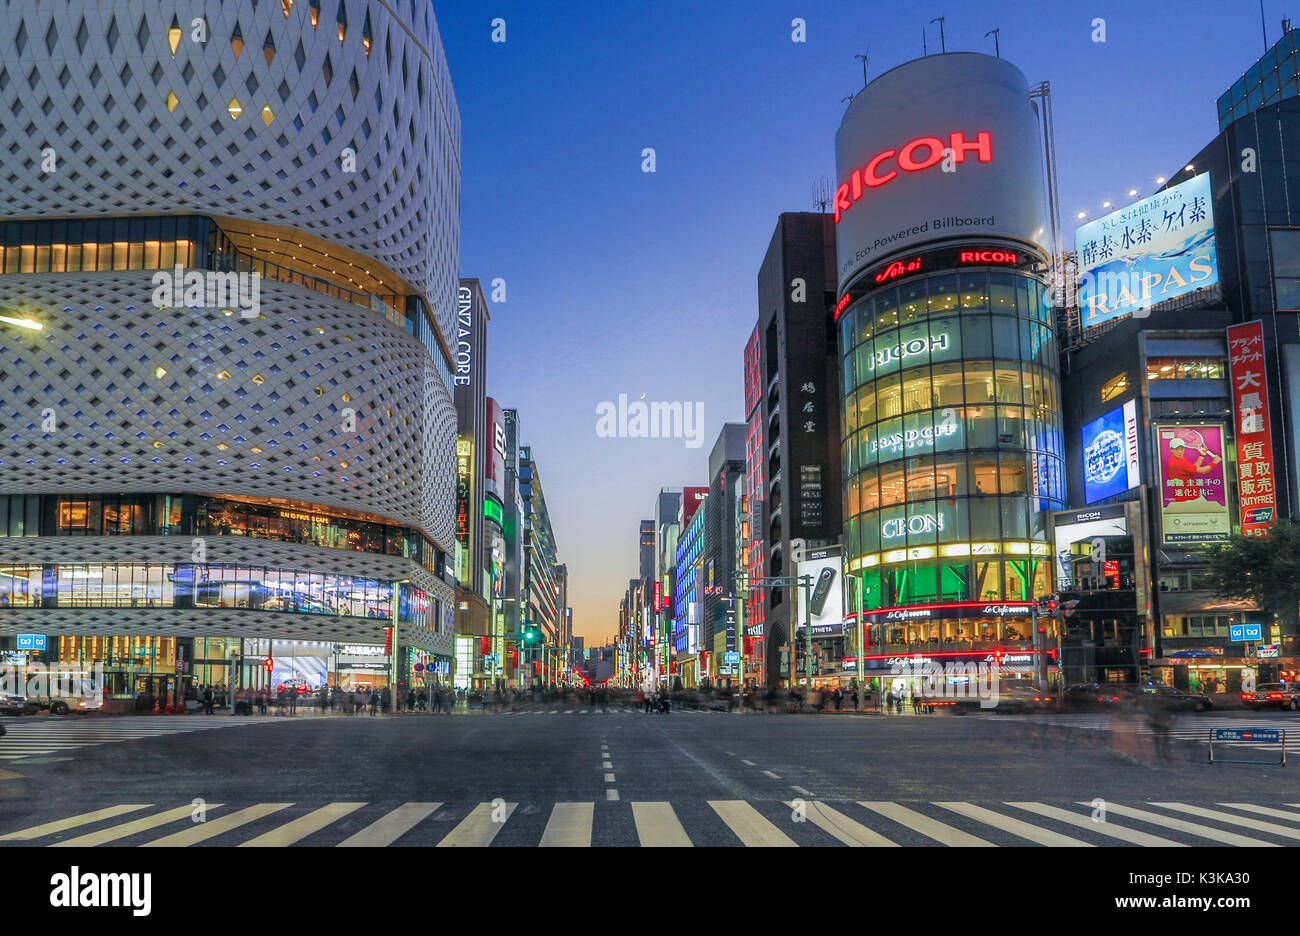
[
  {"x": 13, "y": 704},
  {"x": 1092, "y": 697},
  {"x": 1011, "y": 699},
  {"x": 1273, "y": 695},
  {"x": 1171, "y": 699}
]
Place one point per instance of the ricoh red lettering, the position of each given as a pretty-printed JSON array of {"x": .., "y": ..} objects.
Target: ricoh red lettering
[
  {"x": 875, "y": 173},
  {"x": 906, "y": 161},
  {"x": 987, "y": 256},
  {"x": 869, "y": 173}
]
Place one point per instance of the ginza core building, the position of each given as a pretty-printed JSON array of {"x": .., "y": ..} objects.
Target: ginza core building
[
  {"x": 228, "y": 265},
  {"x": 952, "y": 440}
]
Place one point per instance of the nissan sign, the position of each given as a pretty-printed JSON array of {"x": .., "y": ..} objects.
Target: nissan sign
[{"x": 943, "y": 146}]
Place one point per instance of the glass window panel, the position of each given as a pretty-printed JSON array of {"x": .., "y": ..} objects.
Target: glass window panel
[
  {"x": 943, "y": 295},
  {"x": 912, "y": 303},
  {"x": 1007, "y": 382},
  {"x": 976, "y": 338},
  {"x": 1002, "y": 292},
  {"x": 889, "y": 397},
  {"x": 888, "y": 442},
  {"x": 974, "y": 288},
  {"x": 981, "y": 427},
  {"x": 988, "y": 580},
  {"x": 887, "y": 310},
  {"x": 1011, "y": 427},
  {"x": 979, "y": 383},
  {"x": 920, "y": 478},
  {"x": 893, "y": 486},
  {"x": 918, "y": 433},
  {"x": 947, "y": 385},
  {"x": 1015, "y": 522},
  {"x": 917, "y": 391},
  {"x": 1006, "y": 344},
  {"x": 868, "y": 491}
]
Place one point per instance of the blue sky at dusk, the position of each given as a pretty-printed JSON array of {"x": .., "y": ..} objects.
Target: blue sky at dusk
[{"x": 621, "y": 281}]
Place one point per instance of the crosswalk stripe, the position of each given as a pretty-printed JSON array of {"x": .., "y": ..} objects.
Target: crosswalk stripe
[
  {"x": 657, "y": 826},
  {"x": 1026, "y": 830},
  {"x": 202, "y": 831},
  {"x": 1245, "y": 822},
  {"x": 113, "y": 833},
  {"x": 477, "y": 830},
  {"x": 1204, "y": 831},
  {"x": 569, "y": 826},
  {"x": 1133, "y": 836},
  {"x": 303, "y": 826},
  {"x": 1264, "y": 810},
  {"x": 848, "y": 831},
  {"x": 930, "y": 828},
  {"x": 62, "y": 825},
  {"x": 750, "y": 826},
  {"x": 389, "y": 828}
]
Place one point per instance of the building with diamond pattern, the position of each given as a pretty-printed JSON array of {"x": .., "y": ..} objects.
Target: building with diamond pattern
[{"x": 262, "y": 465}]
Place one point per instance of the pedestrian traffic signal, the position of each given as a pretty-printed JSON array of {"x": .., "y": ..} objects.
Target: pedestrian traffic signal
[{"x": 268, "y": 664}]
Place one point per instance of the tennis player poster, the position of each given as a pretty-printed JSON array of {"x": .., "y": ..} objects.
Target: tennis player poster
[{"x": 1193, "y": 485}]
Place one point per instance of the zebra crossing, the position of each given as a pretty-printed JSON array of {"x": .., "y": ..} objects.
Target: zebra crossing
[
  {"x": 1186, "y": 728},
  {"x": 765, "y": 824},
  {"x": 39, "y": 737}
]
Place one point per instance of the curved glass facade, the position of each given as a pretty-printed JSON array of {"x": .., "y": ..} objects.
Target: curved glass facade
[{"x": 952, "y": 442}]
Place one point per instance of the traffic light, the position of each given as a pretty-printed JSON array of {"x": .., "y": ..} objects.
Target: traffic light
[{"x": 269, "y": 663}]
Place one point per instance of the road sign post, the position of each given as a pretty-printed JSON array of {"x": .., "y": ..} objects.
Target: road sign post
[{"x": 1250, "y": 735}]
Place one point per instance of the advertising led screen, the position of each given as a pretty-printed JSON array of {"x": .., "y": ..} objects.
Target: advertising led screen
[
  {"x": 1082, "y": 526},
  {"x": 1155, "y": 249},
  {"x": 1111, "y": 463},
  {"x": 1193, "y": 489},
  {"x": 943, "y": 146}
]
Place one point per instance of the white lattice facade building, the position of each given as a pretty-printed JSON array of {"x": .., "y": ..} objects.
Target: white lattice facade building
[{"x": 273, "y": 460}]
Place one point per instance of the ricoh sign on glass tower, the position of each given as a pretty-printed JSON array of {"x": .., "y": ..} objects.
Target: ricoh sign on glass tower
[
  {"x": 952, "y": 429},
  {"x": 272, "y": 460}
]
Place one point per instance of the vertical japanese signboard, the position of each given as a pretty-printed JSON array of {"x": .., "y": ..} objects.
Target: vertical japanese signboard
[{"x": 1256, "y": 486}]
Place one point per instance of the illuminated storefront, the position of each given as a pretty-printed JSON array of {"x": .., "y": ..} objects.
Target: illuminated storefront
[{"x": 952, "y": 440}]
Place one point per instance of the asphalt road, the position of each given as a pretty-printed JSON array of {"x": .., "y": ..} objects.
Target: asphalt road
[{"x": 626, "y": 778}]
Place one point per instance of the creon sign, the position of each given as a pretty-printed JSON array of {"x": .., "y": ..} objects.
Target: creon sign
[{"x": 913, "y": 156}]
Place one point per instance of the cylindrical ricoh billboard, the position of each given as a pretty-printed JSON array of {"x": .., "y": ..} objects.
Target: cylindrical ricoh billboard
[{"x": 943, "y": 146}]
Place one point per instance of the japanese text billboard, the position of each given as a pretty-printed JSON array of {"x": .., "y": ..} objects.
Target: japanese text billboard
[
  {"x": 1111, "y": 463},
  {"x": 1256, "y": 489},
  {"x": 1193, "y": 484},
  {"x": 1155, "y": 249}
]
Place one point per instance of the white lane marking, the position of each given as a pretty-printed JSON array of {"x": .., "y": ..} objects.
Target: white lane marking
[
  {"x": 1025, "y": 830},
  {"x": 609, "y": 778},
  {"x": 800, "y": 790},
  {"x": 748, "y": 763},
  {"x": 770, "y": 774},
  {"x": 657, "y": 826},
  {"x": 1101, "y": 828},
  {"x": 611, "y": 794}
]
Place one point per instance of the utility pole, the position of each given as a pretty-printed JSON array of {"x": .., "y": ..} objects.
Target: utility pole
[
  {"x": 997, "y": 50},
  {"x": 943, "y": 42},
  {"x": 863, "y": 57}
]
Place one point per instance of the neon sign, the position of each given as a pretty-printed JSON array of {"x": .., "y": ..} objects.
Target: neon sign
[
  {"x": 841, "y": 305},
  {"x": 908, "y": 158},
  {"x": 898, "y": 268},
  {"x": 907, "y": 349},
  {"x": 988, "y": 256}
]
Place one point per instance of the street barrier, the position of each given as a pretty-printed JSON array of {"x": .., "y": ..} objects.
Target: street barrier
[{"x": 1252, "y": 735}]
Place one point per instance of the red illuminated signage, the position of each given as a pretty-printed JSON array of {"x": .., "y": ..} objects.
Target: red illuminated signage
[
  {"x": 988, "y": 256},
  {"x": 898, "y": 268},
  {"x": 1255, "y": 479},
  {"x": 841, "y": 305},
  {"x": 913, "y": 156}
]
